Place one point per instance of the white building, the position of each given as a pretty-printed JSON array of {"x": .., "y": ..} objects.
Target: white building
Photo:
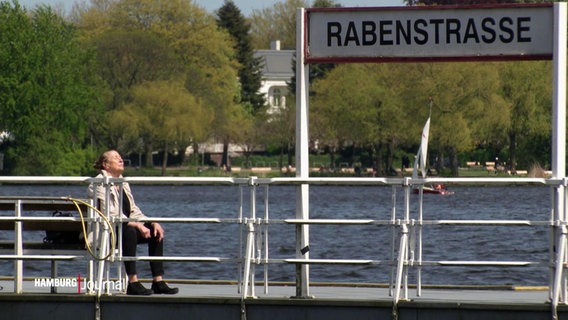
[{"x": 276, "y": 74}]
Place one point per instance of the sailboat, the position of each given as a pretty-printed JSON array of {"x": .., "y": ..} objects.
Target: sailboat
[{"x": 420, "y": 162}]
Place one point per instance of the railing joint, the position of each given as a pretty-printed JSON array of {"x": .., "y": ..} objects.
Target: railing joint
[{"x": 252, "y": 181}]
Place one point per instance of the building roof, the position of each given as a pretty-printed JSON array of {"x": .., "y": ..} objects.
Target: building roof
[{"x": 277, "y": 64}]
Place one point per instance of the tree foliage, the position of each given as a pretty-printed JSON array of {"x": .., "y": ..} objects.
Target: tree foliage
[
  {"x": 128, "y": 58},
  {"x": 143, "y": 41},
  {"x": 526, "y": 102},
  {"x": 45, "y": 92},
  {"x": 147, "y": 76},
  {"x": 276, "y": 23},
  {"x": 250, "y": 70},
  {"x": 165, "y": 115},
  {"x": 473, "y": 106},
  {"x": 354, "y": 104}
]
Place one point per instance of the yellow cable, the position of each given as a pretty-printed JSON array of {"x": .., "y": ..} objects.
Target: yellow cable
[{"x": 113, "y": 237}]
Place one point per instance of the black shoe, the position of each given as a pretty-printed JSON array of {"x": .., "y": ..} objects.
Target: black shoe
[
  {"x": 137, "y": 289},
  {"x": 162, "y": 287}
]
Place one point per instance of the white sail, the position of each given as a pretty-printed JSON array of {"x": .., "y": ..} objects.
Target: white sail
[{"x": 420, "y": 161}]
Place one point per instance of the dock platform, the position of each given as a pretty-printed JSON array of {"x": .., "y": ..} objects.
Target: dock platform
[{"x": 222, "y": 301}]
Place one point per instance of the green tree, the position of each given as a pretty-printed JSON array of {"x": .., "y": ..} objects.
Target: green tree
[
  {"x": 218, "y": 90},
  {"x": 92, "y": 17},
  {"x": 463, "y": 96},
  {"x": 203, "y": 53},
  {"x": 352, "y": 107},
  {"x": 46, "y": 92},
  {"x": 527, "y": 101},
  {"x": 250, "y": 71},
  {"x": 397, "y": 118},
  {"x": 276, "y": 23},
  {"x": 209, "y": 59},
  {"x": 127, "y": 59},
  {"x": 279, "y": 133},
  {"x": 165, "y": 115}
]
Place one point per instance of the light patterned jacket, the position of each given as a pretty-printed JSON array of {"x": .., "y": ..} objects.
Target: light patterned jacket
[{"x": 99, "y": 190}]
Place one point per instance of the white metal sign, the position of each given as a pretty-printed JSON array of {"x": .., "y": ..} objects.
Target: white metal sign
[{"x": 421, "y": 33}]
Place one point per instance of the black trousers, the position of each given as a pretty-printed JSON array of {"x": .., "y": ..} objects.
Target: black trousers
[{"x": 131, "y": 237}]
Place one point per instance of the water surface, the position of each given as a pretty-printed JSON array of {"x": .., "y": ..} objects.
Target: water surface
[{"x": 447, "y": 242}]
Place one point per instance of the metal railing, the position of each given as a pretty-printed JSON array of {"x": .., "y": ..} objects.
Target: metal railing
[
  {"x": 406, "y": 226},
  {"x": 20, "y": 253}
]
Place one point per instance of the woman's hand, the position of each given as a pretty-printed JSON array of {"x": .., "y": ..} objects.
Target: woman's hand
[
  {"x": 158, "y": 231},
  {"x": 145, "y": 232}
]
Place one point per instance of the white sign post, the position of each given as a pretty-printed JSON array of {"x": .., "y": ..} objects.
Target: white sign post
[{"x": 441, "y": 33}]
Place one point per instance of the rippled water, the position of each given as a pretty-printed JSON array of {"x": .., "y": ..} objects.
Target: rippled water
[{"x": 440, "y": 242}]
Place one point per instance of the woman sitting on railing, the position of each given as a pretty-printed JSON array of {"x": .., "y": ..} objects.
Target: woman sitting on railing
[{"x": 110, "y": 164}]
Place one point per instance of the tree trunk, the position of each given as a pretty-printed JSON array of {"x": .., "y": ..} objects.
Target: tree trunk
[
  {"x": 149, "y": 158},
  {"x": 371, "y": 156},
  {"x": 439, "y": 162},
  {"x": 291, "y": 154},
  {"x": 390, "y": 159},
  {"x": 165, "y": 161},
  {"x": 379, "y": 159},
  {"x": 281, "y": 157},
  {"x": 332, "y": 158},
  {"x": 454, "y": 163},
  {"x": 181, "y": 157},
  {"x": 196, "y": 154},
  {"x": 225, "y": 157},
  {"x": 512, "y": 153}
]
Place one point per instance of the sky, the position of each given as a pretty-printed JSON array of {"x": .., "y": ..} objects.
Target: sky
[{"x": 246, "y": 6}]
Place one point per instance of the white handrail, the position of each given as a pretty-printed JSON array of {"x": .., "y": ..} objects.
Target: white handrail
[{"x": 407, "y": 234}]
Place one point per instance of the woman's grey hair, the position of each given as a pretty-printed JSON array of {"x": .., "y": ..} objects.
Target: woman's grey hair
[{"x": 101, "y": 160}]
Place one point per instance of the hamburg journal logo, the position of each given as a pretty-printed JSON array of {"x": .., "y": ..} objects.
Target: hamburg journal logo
[{"x": 81, "y": 284}]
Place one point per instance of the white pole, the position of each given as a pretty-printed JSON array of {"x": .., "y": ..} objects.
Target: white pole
[
  {"x": 248, "y": 279},
  {"x": 302, "y": 159},
  {"x": 266, "y": 217},
  {"x": 252, "y": 233},
  {"x": 559, "y": 140},
  {"x": 18, "y": 249},
  {"x": 559, "y": 98}
]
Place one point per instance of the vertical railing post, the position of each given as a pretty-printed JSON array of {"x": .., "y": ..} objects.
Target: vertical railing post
[
  {"x": 252, "y": 232},
  {"x": 103, "y": 244},
  {"x": 401, "y": 262},
  {"x": 265, "y": 232},
  {"x": 407, "y": 223},
  {"x": 559, "y": 266},
  {"x": 560, "y": 231},
  {"x": 419, "y": 249},
  {"x": 240, "y": 220},
  {"x": 18, "y": 249},
  {"x": 92, "y": 230},
  {"x": 393, "y": 241},
  {"x": 248, "y": 273},
  {"x": 403, "y": 251},
  {"x": 117, "y": 250}
]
